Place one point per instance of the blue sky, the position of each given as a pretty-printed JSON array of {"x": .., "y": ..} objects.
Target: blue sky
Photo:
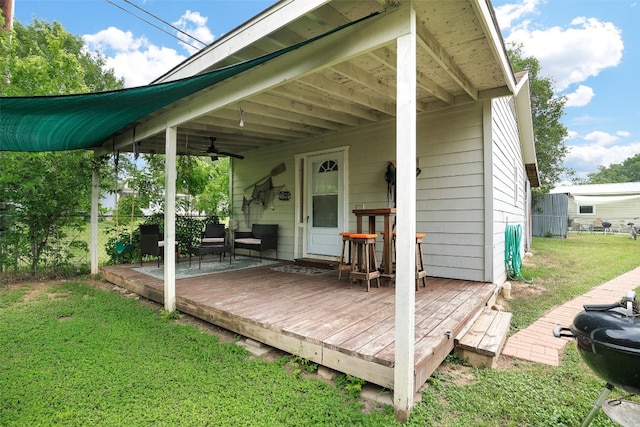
[{"x": 590, "y": 48}]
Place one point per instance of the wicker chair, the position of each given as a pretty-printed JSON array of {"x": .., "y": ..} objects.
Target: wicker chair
[
  {"x": 262, "y": 237},
  {"x": 213, "y": 235},
  {"x": 152, "y": 243}
]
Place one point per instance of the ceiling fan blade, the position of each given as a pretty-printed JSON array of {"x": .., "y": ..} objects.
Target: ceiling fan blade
[{"x": 234, "y": 155}]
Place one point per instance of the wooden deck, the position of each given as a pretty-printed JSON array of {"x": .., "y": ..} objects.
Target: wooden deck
[{"x": 332, "y": 322}]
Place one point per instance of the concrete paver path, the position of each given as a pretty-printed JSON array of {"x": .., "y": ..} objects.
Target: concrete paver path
[{"x": 536, "y": 343}]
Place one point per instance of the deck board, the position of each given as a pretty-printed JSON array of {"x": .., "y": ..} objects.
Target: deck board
[{"x": 332, "y": 322}]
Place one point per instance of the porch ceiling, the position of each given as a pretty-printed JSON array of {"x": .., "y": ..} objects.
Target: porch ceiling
[{"x": 461, "y": 58}]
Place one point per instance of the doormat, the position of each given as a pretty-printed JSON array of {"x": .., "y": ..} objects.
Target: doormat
[
  {"x": 300, "y": 269},
  {"x": 211, "y": 266}
]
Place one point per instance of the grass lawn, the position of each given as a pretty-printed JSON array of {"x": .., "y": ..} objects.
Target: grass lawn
[{"x": 78, "y": 354}]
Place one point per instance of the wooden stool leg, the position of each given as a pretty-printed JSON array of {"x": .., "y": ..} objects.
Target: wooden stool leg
[
  {"x": 366, "y": 270},
  {"x": 375, "y": 263},
  {"x": 367, "y": 266},
  {"x": 421, "y": 274},
  {"x": 343, "y": 265}
]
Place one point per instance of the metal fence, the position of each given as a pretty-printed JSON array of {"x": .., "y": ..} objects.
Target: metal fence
[
  {"x": 550, "y": 216},
  {"x": 68, "y": 248}
]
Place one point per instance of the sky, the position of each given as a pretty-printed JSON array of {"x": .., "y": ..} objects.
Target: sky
[{"x": 589, "y": 48}]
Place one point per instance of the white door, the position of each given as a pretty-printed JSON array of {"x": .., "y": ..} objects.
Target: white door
[{"x": 325, "y": 204}]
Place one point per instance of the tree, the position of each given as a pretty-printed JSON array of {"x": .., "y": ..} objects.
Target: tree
[
  {"x": 45, "y": 195},
  {"x": 627, "y": 171},
  {"x": 547, "y": 110},
  {"x": 206, "y": 182},
  {"x": 214, "y": 199}
]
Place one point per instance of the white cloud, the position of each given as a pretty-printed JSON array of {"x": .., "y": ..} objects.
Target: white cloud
[
  {"x": 571, "y": 134},
  {"x": 195, "y": 25},
  {"x": 132, "y": 58},
  {"x": 586, "y": 158},
  {"x": 580, "y": 97},
  {"x": 601, "y": 138},
  {"x": 573, "y": 54},
  {"x": 600, "y": 149},
  {"x": 508, "y": 13}
]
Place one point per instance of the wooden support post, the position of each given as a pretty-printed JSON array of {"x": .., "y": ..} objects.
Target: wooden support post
[
  {"x": 95, "y": 195},
  {"x": 404, "y": 376},
  {"x": 170, "y": 220}
]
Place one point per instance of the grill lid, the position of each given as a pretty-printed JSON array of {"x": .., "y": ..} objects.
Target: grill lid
[{"x": 610, "y": 328}]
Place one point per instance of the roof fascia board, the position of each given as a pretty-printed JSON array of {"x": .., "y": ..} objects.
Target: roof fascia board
[
  {"x": 488, "y": 21},
  {"x": 258, "y": 27},
  {"x": 335, "y": 48},
  {"x": 525, "y": 119}
]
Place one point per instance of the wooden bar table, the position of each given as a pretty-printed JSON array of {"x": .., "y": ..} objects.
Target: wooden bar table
[{"x": 387, "y": 243}]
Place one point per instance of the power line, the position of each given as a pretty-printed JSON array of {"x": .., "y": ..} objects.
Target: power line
[
  {"x": 165, "y": 22},
  {"x": 157, "y": 27}
]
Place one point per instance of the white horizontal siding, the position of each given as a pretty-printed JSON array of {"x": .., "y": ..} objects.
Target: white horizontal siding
[
  {"x": 449, "y": 189},
  {"x": 508, "y": 177},
  {"x": 624, "y": 210},
  {"x": 450, "y": 192}
]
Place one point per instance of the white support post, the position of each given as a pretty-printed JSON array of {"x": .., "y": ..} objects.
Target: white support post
[
  {"x": 404, "y": 375},
  {"x": 95, "y": 195},
  {"x": 170, "y": 220}
]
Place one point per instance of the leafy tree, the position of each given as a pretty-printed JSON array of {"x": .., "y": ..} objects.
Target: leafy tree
[
  {"x": 46, "y": 195},
  {"x": 547, "y": 110},
  {"x": 627, "y": 171},
  {"x": 214, "y": 199},
  {"x": 44, "y": 59},
  {"x": 206, "y": 182}
]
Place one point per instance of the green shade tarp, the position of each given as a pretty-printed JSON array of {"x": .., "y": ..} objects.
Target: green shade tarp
[{"x": 85, "y": 121}]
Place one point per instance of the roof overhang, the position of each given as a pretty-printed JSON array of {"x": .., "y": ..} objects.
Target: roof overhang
[
  {"x": 341, "y": 75},
  {"x": 525, "y": 128}
]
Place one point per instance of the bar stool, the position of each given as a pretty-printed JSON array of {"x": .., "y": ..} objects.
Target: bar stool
[
  {"x": 421, "y": 273},
  {"x": 345, "y": 265},
  {"x": 367, "y": 269}
]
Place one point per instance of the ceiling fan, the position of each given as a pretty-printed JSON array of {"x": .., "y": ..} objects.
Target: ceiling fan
[{"x": 213, "y": 152}]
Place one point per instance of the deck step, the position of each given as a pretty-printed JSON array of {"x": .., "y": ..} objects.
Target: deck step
[{"x": 484, "y": 341}]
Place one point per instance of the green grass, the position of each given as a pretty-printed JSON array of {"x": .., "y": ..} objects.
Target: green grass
[
  {"x": 74, "y": 355},
  {"x": 527, "y": 395},
  {"x": 561, "y": 270}
]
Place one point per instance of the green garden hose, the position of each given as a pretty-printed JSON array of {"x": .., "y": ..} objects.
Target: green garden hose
[{"x": 512, "y": 257}]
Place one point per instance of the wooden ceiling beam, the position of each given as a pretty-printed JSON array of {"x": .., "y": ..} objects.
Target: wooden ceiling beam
[
  {"x": 388, "y": 58},
  {"x": 305, "y": 109},
  {"x": 303, "y": 120},
  {"x": 328, "y": 103},
  {"x": 345, "y": 93},
  {"x": 429, "y": 43}
]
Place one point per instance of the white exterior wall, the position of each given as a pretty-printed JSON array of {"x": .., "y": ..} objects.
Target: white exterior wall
[
  {"x": 509, "y": 177},
  {"x": 617, "y": 213},
  {"x": 450, "y": 191},
  {"x": 450, "y": 196}
]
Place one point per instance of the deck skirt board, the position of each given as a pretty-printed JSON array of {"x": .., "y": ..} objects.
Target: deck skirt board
[{"x": 332, "y": 322}]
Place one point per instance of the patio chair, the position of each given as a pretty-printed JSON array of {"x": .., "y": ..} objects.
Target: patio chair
[
  {"x": 212, "y": 240},
  {"x": 262, "y": 237},
  {"x": 597, "y": 226},
  {"x": 213, "y": 235},
  {"x": 151, "y": 242}
]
